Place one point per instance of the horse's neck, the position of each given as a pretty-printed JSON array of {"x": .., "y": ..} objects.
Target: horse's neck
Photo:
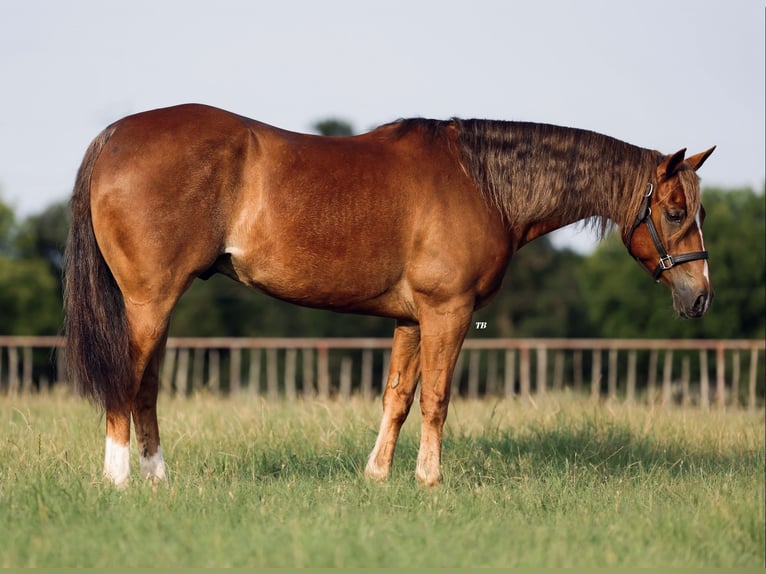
[
  {"x": 544, "y": 176},
  {"x": 553, "y": 194}
]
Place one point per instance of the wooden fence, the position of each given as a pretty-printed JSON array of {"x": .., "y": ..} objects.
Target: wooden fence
[{"x": 717, "y": 373}]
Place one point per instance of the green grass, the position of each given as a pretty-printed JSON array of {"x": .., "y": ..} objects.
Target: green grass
[{"x": 563, "y": 482}]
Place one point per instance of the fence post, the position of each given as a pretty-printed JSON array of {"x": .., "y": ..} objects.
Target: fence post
[
  {"x": 612, "y": 377},
  {"x": 704, "y": 381},
  {"x": 685, "y": 376},
  {"x": 291, "y": 357},
  {"x": 346, "y": 366},
  {"x": 272, "y": 380},
  {"x": 667, "y": 377},
  {"x": 198, "y": 368},
  {"x": 473, "y": 374},
  {"x": 182, "y": 375},
  {"x": 631, "y": 384},
  {"x": 720, "y": 377},
  {"x": 13, "y": 371},
  {"x": 751, "y": 400},
  {"x": 235, "y": 371},
  {"x": 651, "y": 383},
  {"x": 577, "y": 368},
  {"x": 26, "y": 370},
  {"x": 214, "y": 371},
  {"x": 525, "y": 374},
  {"x": 309, "y": 389},
  {"x": 254, "y": 372},
  {"x": 510, "y": 372},
  {"x": 558, "y": 371},
  {"x": 491, "y": 382},
  {"x": 735, "y": 375},
  {"x": 542, "y": 370},
  {"x": 323, "y": 372},
  {"x": 595, "y": 382}
]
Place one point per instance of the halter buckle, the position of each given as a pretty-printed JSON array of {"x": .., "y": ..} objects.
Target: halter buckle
[{"x": 666, "y": 262}]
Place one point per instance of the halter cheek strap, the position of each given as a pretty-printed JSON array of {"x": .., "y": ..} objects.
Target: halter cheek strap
[{"x": 666, "y": 261}]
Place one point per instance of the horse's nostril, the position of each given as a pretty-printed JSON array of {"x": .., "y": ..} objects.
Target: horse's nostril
[{"x": 700, "y": 305}]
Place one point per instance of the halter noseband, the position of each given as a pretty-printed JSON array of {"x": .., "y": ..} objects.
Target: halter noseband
[{"x": 666, "y": 261}]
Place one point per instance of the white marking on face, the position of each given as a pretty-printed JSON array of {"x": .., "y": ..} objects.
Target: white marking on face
[
  {"x": 702, "y": 245},
  {"x": 117, "y": 463},
  {"x": 705, "y": 269},
  {"x": 153, "y": 467}
]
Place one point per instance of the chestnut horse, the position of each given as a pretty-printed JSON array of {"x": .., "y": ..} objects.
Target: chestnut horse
[{"x": 416, "y": 221}]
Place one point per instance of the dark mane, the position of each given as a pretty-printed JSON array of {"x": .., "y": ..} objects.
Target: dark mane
[{"x": 525, "y": 169}]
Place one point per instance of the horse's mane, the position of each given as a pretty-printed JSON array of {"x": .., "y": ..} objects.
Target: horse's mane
[{"x": 524, "y": 169}]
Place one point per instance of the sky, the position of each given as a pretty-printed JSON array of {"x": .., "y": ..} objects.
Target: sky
[{"x": 661, "y": 74}]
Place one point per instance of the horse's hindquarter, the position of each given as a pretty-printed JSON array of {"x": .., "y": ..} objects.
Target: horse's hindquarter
[
  {"x": 161, "y": 193},
  {"x": 358, "y": 224}
]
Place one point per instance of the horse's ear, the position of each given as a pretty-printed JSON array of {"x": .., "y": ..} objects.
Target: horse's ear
[
  {"x": 670, "y": 163},
  {"x": 697, "y": 160}
]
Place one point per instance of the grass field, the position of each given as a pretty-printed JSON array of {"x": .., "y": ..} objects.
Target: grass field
[{"x": 563, "y": 482}]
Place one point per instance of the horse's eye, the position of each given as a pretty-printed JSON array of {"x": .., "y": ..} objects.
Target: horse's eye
[{"x": 674, "y": 216}]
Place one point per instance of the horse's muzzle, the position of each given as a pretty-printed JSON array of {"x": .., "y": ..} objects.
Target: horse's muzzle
[{"x": 691, "y": 304}]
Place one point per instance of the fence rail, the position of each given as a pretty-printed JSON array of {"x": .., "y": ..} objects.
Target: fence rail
[{"x": 707, "y": 373}]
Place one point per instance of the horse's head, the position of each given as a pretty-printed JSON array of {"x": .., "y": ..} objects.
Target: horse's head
[{"x": 666, "y": 237}]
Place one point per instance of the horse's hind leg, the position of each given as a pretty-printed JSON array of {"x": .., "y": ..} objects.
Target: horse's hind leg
[
  {"x": 151, "y": 462},
  {"x": 403, "y": 376},
  {"x": 147, "y": 324},
  {"x": 117, "y": 451}
]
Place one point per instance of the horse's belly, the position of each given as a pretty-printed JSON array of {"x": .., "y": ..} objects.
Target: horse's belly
[{"x": 326, "y": 283}]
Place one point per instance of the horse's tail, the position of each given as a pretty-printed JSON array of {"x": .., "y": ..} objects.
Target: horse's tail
[{"x": 95, "y": 326}]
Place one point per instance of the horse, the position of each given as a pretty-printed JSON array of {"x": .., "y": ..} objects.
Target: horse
[{"x": 415, "y": 220}]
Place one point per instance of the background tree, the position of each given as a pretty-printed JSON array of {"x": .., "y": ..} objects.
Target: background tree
[
  {"x": 7, "y": 224},
  {"x": 43, "y": 236},
  {"x": 30, "y": 293},
  {"x": 540, "y": 296},
  {"x": 333, "y": 127}
]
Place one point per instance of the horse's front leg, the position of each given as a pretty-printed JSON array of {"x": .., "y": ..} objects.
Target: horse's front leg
[
  {"x": 403, "y": 374},
  {"x": 442, "y": 334}
]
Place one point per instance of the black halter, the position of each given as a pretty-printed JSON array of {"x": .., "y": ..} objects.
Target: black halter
[{"x": 666, "y": 261}]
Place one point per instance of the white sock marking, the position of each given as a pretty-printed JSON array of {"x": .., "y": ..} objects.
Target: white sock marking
[
  {"x": 117, "y": 462},
  {"x": 154, "y": 466}
]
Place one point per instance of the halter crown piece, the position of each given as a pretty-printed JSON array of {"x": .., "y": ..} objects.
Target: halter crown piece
[{"x": 666, "y": 261}]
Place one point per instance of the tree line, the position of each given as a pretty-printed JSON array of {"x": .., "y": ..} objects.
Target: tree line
[{"x": 547, "y": 292}]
